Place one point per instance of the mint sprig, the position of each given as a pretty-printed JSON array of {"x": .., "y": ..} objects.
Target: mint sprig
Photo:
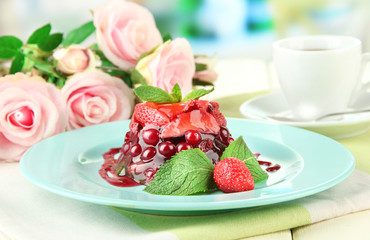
[
  {"x": 197, "y": 93},
  {"x": 239, "y": 149},
  {"x": 188, "y": 172},
  {"x": 158, "y": 95}
]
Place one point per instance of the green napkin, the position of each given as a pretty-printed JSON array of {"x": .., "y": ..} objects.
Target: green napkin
[{"x": 351, "y": 195}]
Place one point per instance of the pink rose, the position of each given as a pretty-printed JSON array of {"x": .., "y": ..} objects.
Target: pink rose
[
  {"x": 124, "y": 31},
  {"x": 75, "y": 58},
  {"x": 95, "y": 97},
  {"x": 30, "y": 111},
  {"x": 209, "y": 74},
  {"x": 170, "y": 63}
]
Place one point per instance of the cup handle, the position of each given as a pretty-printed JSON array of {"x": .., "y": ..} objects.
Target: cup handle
[{"x": 362, "y": 87}]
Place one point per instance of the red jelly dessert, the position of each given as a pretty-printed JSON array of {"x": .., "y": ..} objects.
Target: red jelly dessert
[{"x": 159, "y": 131}]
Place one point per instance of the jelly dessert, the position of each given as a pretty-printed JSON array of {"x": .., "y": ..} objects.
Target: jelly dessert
[{"x": 159, "y": 131}]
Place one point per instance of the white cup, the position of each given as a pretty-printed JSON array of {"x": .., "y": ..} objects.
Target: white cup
[{"x": 318, "y": 74}]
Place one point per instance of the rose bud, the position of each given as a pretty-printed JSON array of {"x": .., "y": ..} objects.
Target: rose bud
[{"x": 74, "y": 59}]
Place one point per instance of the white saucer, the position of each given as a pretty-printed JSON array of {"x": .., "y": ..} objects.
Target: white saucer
[{"x": 340, "y": 127}]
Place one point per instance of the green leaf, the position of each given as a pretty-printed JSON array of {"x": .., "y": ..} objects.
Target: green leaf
[
  {"x": 79, "y": 34},
  {"x": 239, "y": 149},
  {"x": 176, "y": 93},
  {"x": 51, "y": 42},
  {"x": 166, "y": 36},
  {"x": 9, "y": 46},
  {"x": 40, "y": 34},
  {"x": 17, "y": 64},
  {"x": 7, "y": 53},
  {"x": 188, "y": 172},
  {"x": 200, "y": 67},
  {"x": 198, "y": 82},
  {"x": 137, "y": 78},
  {"x": 197, "y": 93},
  {"x": 10, "y": 42},
  {"x": 153, "y": 94}
]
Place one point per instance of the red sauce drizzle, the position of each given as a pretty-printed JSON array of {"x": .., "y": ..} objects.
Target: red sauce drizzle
[
  {"x": 269, "y": 165},
  {"x": 265, "y": 163},
  {"x": 273, "y": 168},
  {"x": 107, "y": 171}
]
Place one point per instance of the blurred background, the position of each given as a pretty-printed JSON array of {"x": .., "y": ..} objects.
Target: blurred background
[{"x": 226, "y": 28}]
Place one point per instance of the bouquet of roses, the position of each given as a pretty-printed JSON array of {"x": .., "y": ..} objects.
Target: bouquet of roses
[{"x": 54, "y": 82}]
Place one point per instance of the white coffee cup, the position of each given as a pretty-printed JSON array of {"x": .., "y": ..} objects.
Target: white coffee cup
[{"x": 318, "y": 74}]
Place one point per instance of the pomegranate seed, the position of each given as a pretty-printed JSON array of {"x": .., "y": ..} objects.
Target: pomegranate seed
[
  {"x": 192, "y": 137},
  {"x": 148, "y": 153},
  {"x": 126, "y": 148},
  {"x": 231, "y": 140},
  {"x": 151, "y": 136},
  {"x": 183, "y": 146},
  {"x": 135, "y": 150},
  {"x": 167, "y": 149},
  {"x": 206, "y": 145},
  {"x": 224, "y": 134},
  {"x": 127, "y": 136}
]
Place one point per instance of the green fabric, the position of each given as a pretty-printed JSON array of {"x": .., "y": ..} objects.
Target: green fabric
[{"x": 230, "y": 225}]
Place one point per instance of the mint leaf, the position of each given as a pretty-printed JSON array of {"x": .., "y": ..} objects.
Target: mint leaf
[
  {"x": 39, "y": 34},
  {"x": 188, "y": 172},
  {"x": 17, "y": 63},
  {"x": 176, "y": 93},
  {"x": 153, "y": 94},
  {"x": 240, "y": 150},
  {"x": 79, "y": 34},
  {"x": 197, "y": 93},
  {"x": 51, "y": 42}
]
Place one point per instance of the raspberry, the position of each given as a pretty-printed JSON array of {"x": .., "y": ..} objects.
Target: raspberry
[{"x": 232, "y": 175}]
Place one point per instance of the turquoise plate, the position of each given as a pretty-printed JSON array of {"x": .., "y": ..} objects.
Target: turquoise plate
[{"x": 68, "y": 164}]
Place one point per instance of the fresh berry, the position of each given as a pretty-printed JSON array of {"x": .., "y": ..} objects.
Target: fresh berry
[
  {"x": 127, "y": 136},
  {"x": 146, "y": 115},
  {"x": 135, "y": 150},
  {"x": 215, "y": 111},
  {"x": 196, "y": 119},
  {"x": 224, "y": 134},
  {"x": 151, "y": 136},
  {"x": 148, "y": 153},
  {"x": 232, "y": 175},
  {"x": 167, "y": 149},
  {"x": 126, "y": 147},
  {"x": 172, "y": 110},
  {"x": 183, "y": 146},
  {"x": 192, "y": 137}
]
